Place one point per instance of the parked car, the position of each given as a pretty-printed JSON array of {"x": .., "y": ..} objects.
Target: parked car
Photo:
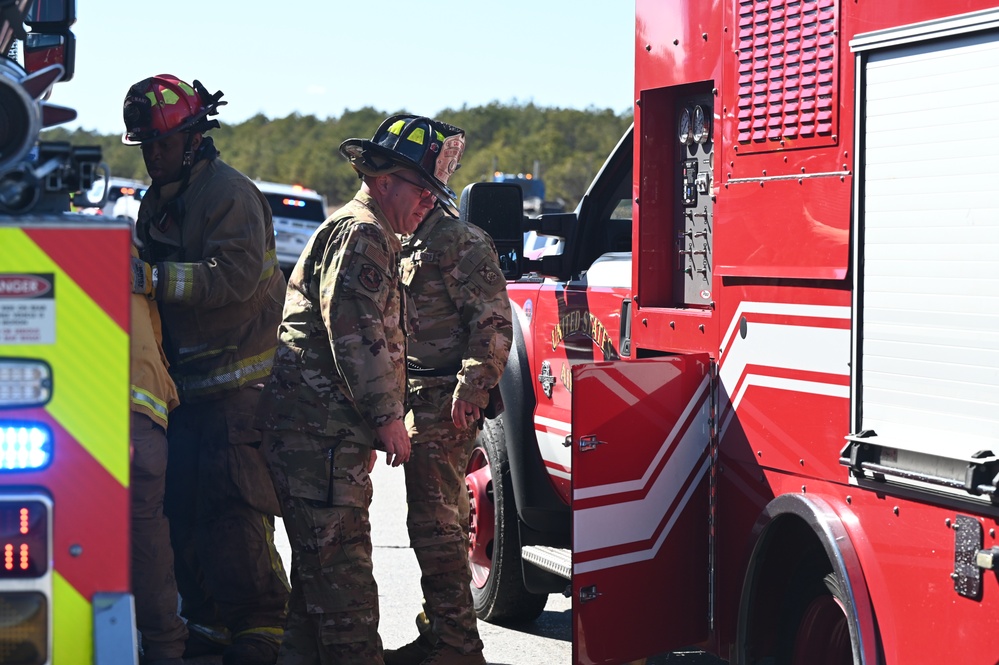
[
  {"x": 123, "y": 198},
  {"x": 297, "y": 211}
]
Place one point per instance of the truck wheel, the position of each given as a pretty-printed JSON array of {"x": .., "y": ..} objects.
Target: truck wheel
[
  {"x": 817, "y": 629},
  {"x": 494, "y": 543}
]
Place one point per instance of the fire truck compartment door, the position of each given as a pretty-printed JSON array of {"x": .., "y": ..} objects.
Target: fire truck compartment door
[
  {"x": 640, "y": 460},
  {"x": 926, "y": 327}
]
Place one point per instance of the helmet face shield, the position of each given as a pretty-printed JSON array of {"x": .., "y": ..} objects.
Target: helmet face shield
[{"x": 433, "y": 149}]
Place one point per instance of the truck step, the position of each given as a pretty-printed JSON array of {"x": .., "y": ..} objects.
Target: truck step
[{"x": 552, "y": 559}]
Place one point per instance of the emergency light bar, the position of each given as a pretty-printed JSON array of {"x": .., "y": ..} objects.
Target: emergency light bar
[
  {"x": 24, "y": 446},
  {"x": 24, "y": 383}
]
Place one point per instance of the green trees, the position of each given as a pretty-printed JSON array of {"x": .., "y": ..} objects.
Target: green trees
[{"x": 568, "y": 146}]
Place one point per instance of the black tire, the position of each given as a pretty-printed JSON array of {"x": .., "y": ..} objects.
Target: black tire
[
  {"x": 815, "y": 627},
  {"x": 498, "y": 589}
]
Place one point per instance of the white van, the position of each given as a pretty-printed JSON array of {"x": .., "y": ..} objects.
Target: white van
[{"x": 297, "y": 212}]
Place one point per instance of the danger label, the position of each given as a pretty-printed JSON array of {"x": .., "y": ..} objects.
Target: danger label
[
  {"x": 27, "y": 309},
  {"x": 24, "y": 286}
]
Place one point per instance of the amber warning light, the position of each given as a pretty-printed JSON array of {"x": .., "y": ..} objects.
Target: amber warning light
[{"x": 23, "y": 539}]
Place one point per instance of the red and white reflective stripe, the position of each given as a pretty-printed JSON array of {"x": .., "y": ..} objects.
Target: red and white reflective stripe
[
  {"x": 551, "y": 435},
  {"x": 794, "y": 347}
]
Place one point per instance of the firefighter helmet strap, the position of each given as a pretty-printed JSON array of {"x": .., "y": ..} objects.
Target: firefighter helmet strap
[
  {"x": 188, "y": 155},
  {"x": 211, "y": 101}
]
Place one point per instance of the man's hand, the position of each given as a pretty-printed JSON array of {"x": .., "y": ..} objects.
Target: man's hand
[
  {"x": 464, "y": 414},
  {"x": 396, "y": 440},
  {"x": 372, "y": 458},
  {"x": 142, "y": 278}
]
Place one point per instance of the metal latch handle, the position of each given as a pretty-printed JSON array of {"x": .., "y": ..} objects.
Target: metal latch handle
[
  {"x": 589, "y": 442},
  {"x": 588, "y": 593}
]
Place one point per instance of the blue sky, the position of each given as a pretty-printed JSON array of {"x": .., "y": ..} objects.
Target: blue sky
[{"x": 327, "y": 56}]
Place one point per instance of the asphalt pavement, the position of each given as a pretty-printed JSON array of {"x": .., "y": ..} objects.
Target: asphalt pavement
[{"x": 546, "y": 641}]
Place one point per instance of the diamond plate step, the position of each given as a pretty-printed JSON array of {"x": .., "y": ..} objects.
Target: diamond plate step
[{"x": 551, "y": 559}]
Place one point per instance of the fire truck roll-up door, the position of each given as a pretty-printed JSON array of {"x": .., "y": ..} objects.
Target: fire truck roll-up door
[
  {"x": 926, "y": 388},
  {"x": 640, "y": 496}
]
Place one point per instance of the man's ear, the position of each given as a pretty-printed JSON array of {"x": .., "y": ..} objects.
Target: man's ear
[
  {"x": 383, "y": 184},
  {"x": 196, "y": 141}
]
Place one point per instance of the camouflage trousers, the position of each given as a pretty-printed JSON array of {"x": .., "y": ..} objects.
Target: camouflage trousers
[
  {"x": 438, "y": 515},
  {"x": 221, "y": 503},
  {"x": 325, "y": 493},
  {"x": 153, "y": 581}
]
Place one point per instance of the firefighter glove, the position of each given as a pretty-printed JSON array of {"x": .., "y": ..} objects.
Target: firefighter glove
[{"x": 142, "y": 278}]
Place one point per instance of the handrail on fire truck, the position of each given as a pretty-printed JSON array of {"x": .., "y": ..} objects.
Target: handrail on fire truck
[{"x": 869, "y": 459}]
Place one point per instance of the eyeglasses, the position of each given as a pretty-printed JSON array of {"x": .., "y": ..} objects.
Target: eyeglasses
[{"x": 424, "y": 190}]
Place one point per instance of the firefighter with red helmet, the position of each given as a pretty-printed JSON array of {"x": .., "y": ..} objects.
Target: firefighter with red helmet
[{"x": 208, "y": 259}]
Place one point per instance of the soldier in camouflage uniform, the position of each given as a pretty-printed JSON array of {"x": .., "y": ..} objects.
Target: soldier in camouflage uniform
[
  {"x": 338, "y": 387},
  {"x": 455, "y": 357}
]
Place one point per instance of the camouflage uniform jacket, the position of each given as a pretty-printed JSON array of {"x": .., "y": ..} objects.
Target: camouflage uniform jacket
[
  {"x": 219, "y": 288},
  {"x": 455, "y": 281},
  {"x": 341, "y": 342}
]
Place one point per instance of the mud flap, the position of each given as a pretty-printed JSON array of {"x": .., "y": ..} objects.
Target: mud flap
[{"x": 115, "y": 641}]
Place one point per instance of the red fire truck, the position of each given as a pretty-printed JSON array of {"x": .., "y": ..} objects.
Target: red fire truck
[
  {"x": 64, "y": 374},
  {"x": 753, "y": 405}
]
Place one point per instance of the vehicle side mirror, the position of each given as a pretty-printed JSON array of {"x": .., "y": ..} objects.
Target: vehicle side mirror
[
  {"x": 562, "y": 225},
  {"x": 50, "y": 41},
  {"x": 44, "y": 49},
  {"x": 49, "y": 15},
  {"x": 498, "y": 209}
]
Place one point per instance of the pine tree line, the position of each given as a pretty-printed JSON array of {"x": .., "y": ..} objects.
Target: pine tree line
[{"x": 565, "y": 147}]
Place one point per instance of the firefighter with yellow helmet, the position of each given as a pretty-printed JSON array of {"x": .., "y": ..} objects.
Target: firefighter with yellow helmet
[
  {"x": 338, "y": 388},
  {"x": 208, "y": 259}
]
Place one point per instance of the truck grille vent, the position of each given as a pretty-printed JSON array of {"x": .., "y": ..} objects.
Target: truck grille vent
[{"x": 787, "y": 73}]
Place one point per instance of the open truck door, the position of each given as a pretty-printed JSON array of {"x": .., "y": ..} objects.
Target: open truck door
[{"x": 641, "y": 456}]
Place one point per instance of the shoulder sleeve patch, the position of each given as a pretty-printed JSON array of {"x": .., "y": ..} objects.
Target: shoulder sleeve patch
[
  {"x": 368, "y": 271},
  {"x": 487, "y": 277},
  {"x": 375, "y": 253},
  {"x": 364, "y": 278},
  {"x": 370, "y": 277}
]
